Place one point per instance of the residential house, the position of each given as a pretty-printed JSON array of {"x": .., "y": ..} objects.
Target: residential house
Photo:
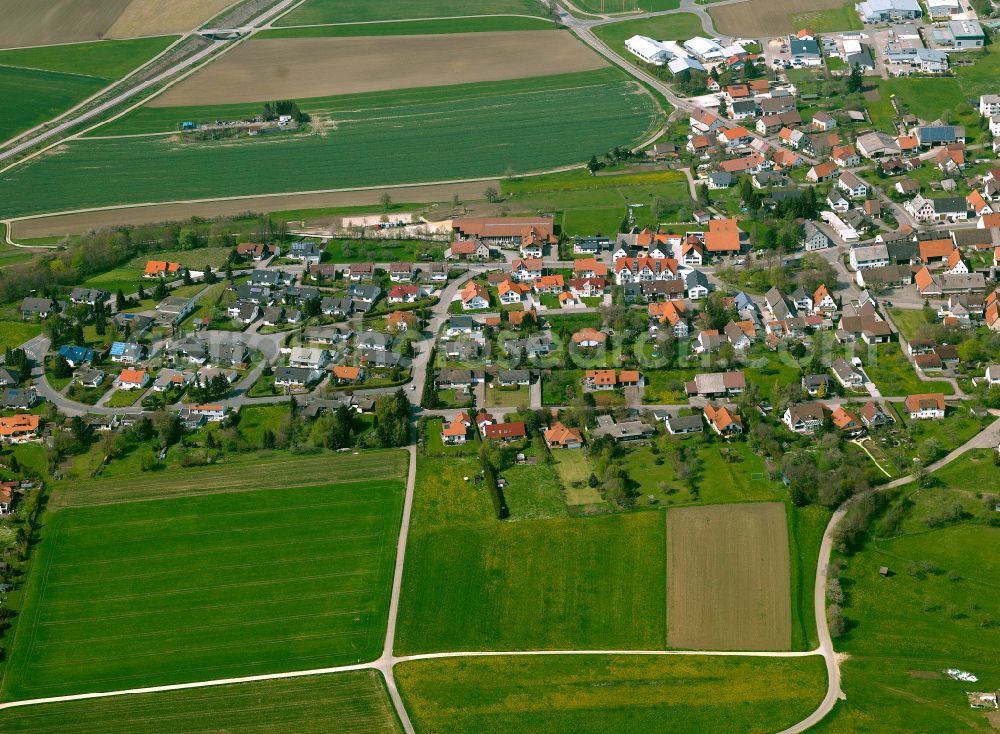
[
  {"x": 823, "y": 171},
  {"x": 853, "y": 186},
  {"x": 823, "y": 121},
  {"x": 873, "y": 416},
  {"x": 847, "y": 423},
  {"x": 472, "y": 249},
  {"x": 38, "y": 308},
  {"x": 131, "y": 379},
  {"x": 717, "y": 384},
  {"x": 19, "y": 429},
  {"x": 560, "y": 436},
  {"x": 817, "y": 386},
  {"x": 849, "y": 377},
  {"x": 76, "y": 356},
  {"x": 845, "y": 156},
  {"x": 309, "y": 357},
  {"x": 160, "y": 269},
  {"x": 928, "y": 406},
  {"x": 724, "y": 420},
  {"x": 682, "y": 424},
  {"x": 296, "y": 377},
  {"x": 871, "y": 256},
  {"x": 804, "y": 417},
  {"x": 474, "y": 296},
  {"x": 513, "y": 431},
  {"x": 813, "y": 238},
  {"x": 88, "y": 296},
  {"x": 306, "y": 252},
  {"x": 633, "y": 430}
]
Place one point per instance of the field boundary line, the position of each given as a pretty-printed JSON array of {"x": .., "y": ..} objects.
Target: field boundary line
[{"x": 378, "y": 664}]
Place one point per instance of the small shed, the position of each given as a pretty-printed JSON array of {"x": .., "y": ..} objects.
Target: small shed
[{"x": 884, "y": 571}]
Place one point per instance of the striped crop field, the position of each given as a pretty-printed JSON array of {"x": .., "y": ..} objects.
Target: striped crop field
[
  {"x": 370, "y": 140},
  {"x": 203, "y": 587}
]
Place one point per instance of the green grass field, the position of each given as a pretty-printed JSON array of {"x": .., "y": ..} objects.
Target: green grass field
[
  {"x": 894, "y": 375},
  {"x": 357, "y": 701},
  {"x": 240, "y": 474},
  {"x": 49, "y": 80},
  {"x": 16, "y": 333},
  {"x": 483, "y": 24},
  {"x": 446, "y": 135},
  {"x": 937, "y": 610},
  {"x": 475, "y": 583},
  {"x": 676, "y": 27},
  {"x": 844, "y": 18},
  {"x": 206, "y": 586},
  {"x": 594, "y": 695},
  {"x": 343, "y": 11},
  {"x": 910, "y": 321}
]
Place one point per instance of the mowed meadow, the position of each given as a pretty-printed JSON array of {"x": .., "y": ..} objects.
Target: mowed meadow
[
  {"x": 40, "y": 83},
  {"x": 439, "y": 134},
  {"x": 212, "y": 585}
]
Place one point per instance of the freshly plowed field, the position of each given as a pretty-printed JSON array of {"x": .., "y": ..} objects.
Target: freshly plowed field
[
  {"x": 297, "y": 68},
  {"x": 727, "y": 578}
]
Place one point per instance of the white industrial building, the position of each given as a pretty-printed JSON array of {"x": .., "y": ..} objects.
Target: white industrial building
[{"x": 650, "y": 51}]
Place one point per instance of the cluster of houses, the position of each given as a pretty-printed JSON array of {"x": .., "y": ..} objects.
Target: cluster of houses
[{"x": 935, "y": 262}]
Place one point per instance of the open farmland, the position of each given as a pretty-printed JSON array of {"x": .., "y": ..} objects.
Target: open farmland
[
  {"x": 293, "y": 68},
  {"x": 346, "y": 11},
  {"x": 208, "y": 586},
  {"x": 447, "y": 135},
  {"x": 587, "y": 694},
  {"x": 149, "y": 17},
  {"x": 48, "y": 81},
  {"x": 727, "y": 578},
  {"x": 34, "y": 23},
  {"x": 357, "y": 701},
  {"x": 474, "y": 583},
  {"x": 757, "y": 18},
  {"x": 61, "y": 225},
  {"x": 432, "y": 26},
  {"x": 223, "y": 479},
  {"x": 41, "y": 22},
  {"x": 676, "y": 27}
]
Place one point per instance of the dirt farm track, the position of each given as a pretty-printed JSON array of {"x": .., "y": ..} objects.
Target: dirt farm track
[
  {"x": 298, "y": 68},
  {"x": 63, "y": 224}
]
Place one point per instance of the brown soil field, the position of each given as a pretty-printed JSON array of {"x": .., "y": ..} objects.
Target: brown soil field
[
  {"x": 40, "y": 22},
  {"x": 157, "y": 18},
  {"x": 757, "y": 18},
  {"x": 298, "y": 68},
  {"x": 727, "y": 578},
  {"x": 66, "y": 224}
]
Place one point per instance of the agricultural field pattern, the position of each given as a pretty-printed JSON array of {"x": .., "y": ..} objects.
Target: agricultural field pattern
[{"x": 499, "y": 366}]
